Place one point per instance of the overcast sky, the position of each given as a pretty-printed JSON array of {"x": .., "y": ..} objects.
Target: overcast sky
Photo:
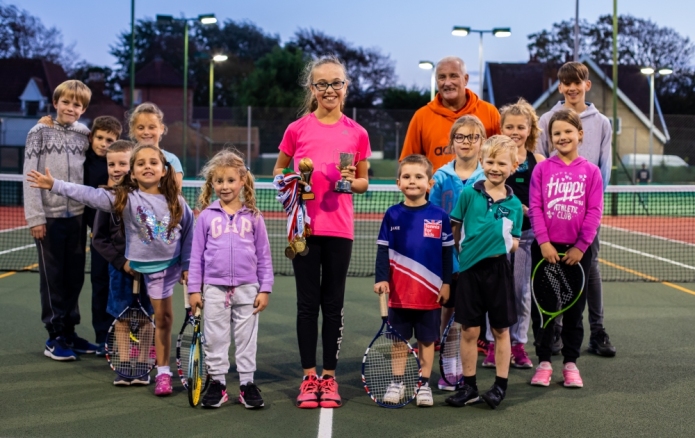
[{"x": 407, "y": 30}]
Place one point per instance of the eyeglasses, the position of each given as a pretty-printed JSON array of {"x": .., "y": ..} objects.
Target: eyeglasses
[
  {"x": 470, "y": 138},
  {"x": 323, "y": 86}
]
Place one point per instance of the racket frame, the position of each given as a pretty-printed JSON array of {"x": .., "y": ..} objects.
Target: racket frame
[
  {"x": 188, "y": 320},
  {"x": 134, "y": 305},
  {"x": 383, "y": 308},
  {"x": 442, "y": 347},
  {"x": 552, "y": 315}
]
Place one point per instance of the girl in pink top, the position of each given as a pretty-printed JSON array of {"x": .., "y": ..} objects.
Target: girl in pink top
[
  {"x": 565, "y": 208},
  {"x": 321, "y": 132}
]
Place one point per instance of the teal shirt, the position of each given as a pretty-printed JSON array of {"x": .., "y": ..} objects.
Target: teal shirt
[{"x": 488, "y": 226}]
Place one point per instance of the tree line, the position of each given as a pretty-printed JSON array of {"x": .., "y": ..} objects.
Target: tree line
[{"x": 262, "y": 71}]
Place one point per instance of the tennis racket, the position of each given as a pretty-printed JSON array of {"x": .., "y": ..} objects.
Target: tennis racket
[
  {"x": 184, "y": 341},
  {"x": 130, "y": 341},
  {"x": 391, "y": 372},
  {"x": 450, "y": 354},
  {"x": 555, "y": 288},
  {"x": 197, "y": 378}
]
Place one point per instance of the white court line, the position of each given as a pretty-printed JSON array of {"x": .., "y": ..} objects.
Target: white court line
[
  {"x": 14, "y": 229},
  {"x": 19, "y": 248},
  {"x": 326, "y": 423},
  {"x": 639, "y": 233},
  {"x": 644, "y": 254}
]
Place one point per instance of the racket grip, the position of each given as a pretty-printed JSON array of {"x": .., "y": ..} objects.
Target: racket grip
[
  {"x": 186, "y": 301},
  {"x": 136, "y": 283},
  {"x": 384, "y": 305}
]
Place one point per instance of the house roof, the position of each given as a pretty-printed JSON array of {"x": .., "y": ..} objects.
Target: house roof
[
  {"x": 15, "y": 74},
  {"x": 537, "y": 82}
]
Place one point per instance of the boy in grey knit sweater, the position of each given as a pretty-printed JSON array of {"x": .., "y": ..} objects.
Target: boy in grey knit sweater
[{"x": 56, "y": 223}]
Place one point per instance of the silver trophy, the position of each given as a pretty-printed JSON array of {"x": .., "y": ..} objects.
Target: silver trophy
[{"x": 344, "y": 160}]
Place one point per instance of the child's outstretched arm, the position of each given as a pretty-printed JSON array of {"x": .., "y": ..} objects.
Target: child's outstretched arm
[{"x": 99, "y": 199}]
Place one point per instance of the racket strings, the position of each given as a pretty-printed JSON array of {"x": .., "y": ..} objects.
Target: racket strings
[
  {"x": 390, "y": 361},
  {"x": 450, "y": 354},
  {"x": 183, "y": 344},
  {"x": 565, "y": 282},
  {"x": 131, "y": 344}
]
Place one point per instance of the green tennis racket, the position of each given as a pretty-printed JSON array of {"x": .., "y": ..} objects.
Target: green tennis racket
[{"x": 555, "y": 288}]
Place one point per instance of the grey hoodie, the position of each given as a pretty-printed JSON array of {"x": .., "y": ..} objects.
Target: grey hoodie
[
  {"x": 62, "y": 149},
  {"x": 596, "y": 145}
]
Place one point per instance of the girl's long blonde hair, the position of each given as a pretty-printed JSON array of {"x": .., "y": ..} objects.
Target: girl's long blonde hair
[
  {"x": 167, "y": 186},
  {"x": 523, "y": 108},
  {"x": 144, "y": 108},
  {"x": 222, "y": 159},
  {"x": 310, "y": 103}
]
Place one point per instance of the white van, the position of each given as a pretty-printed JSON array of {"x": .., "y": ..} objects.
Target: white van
[{"x": 630, "y": 160}]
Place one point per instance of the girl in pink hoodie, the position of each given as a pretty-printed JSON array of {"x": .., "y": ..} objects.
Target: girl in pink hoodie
[{"x": 566, "y": 204}]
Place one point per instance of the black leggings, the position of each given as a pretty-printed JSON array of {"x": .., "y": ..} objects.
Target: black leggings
[
  {"x": 320, "y": 277},
  {"x": 573, "y": 328}
]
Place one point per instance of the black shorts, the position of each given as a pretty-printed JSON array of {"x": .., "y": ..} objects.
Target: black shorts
[
  {"x": 488, "y": 286},
  {"x": 425, "y": 323},
  {"x": 452, "y": 292}
]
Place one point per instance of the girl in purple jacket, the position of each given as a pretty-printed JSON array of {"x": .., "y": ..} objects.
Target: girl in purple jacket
[
  {"x": 231, "y": 265},
  {"x": 565, "y": 208}
]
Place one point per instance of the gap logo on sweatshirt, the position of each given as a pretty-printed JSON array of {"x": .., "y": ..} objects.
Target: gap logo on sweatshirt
[
  {"x": 216, "y": 229},
  {"x": 565, "y": 193}
]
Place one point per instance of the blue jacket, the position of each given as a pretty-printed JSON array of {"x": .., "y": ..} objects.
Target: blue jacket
[{"x": 447, "y": 189}]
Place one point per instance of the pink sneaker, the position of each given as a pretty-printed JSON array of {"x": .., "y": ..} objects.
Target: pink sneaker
[
  {"x": 489, "y": 361},
  {"x": 308, "y": 397},
  {"x": 519, "y": 357},
  {"x": 162, "y": 385},
  {"x": 329, "y": 393},
  {"x": 543, "y": 374},
  {"x": 571, "y": 374}
]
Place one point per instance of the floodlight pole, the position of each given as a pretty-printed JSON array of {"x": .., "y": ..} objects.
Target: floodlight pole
[
  {"x": 651, "y": 123},
  {"x": 132, "y": 53},
  {"x": 212, "y": 83},
  {"x": 185, "y": 93}
]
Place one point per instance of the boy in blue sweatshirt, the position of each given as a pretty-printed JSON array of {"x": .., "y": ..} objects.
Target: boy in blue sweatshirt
[
  {"x": 465, "y": 138},
  {"x": 596, "y": 148}
]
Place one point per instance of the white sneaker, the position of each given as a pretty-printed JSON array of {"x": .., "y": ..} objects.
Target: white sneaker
[
  {"x": 424, "y": 396},
  {"x": 394, "y": 393}
]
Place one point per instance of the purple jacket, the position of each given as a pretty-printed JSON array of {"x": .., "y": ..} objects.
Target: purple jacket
[
  {"x": 230, "y": 250},
  {"x": 566, "y": 202}
]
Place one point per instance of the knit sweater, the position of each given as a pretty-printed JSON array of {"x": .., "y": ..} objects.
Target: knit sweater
[{"x": 62, "y": 149}]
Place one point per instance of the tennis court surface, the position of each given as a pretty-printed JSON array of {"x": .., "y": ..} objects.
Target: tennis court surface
[
  {"x": 648, "y": 265},
  {"x": 646, "y": 390}
]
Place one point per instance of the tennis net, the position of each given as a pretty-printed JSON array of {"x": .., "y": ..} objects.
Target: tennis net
[{"x": 647, "y": 232}]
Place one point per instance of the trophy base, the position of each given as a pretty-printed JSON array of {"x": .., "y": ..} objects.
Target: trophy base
[
  {"x": 308, "y": 196},
  {"x": 343, "y": 186}
]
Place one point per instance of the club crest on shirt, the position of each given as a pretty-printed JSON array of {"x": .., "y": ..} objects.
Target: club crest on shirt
[
  {"x": 433, "y": 228},
  {"x": 501, "y": 212}
]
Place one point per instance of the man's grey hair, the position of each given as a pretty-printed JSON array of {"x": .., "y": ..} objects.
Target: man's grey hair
[{"x": 455, "y": 60}]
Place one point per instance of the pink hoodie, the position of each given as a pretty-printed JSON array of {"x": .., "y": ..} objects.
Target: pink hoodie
[{"x": 566, "y": 202}]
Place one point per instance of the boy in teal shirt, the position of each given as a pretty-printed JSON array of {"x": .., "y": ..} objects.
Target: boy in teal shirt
[{"x": 490, "y": 217}]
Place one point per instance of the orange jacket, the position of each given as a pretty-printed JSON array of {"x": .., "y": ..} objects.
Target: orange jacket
[{"x": 428, "y": 132}]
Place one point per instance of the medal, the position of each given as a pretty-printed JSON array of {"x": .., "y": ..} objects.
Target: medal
[
  {"x": 300, "y": 246},
  {"x": 290, "y": 252}
]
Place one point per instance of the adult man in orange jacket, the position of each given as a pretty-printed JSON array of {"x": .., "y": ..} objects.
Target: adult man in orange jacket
[{"x": 428, "y": 132}]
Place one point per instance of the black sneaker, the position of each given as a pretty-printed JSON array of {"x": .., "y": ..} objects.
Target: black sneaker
[
  {"x": 250, "y": 396},
  {"x": 600, "y": 344},
  {"x": 466, "y": 396},
  {"x": 494, "y": 396},
  {"x": 80, "y": 345},
  {"x": 216, "y": 395},
  {"x": 557, "y": 345}
]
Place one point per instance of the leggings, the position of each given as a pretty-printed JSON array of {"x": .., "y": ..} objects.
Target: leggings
[{"x": 320, "y": 278}]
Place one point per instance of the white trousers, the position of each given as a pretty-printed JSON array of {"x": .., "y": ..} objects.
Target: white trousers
[{"x": 230, "y": 309}]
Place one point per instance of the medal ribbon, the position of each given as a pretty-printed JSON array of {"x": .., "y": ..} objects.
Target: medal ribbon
[{"x": 289, "y": 196}]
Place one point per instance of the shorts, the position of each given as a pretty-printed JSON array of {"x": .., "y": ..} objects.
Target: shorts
[
  {"x": 121, "y": 293},
  {"x": 160, "y": 285},
  {"x": 488, "y": 286},
  {"x": 452, "y": 292},
  {"x": 425, "y": 323}
]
